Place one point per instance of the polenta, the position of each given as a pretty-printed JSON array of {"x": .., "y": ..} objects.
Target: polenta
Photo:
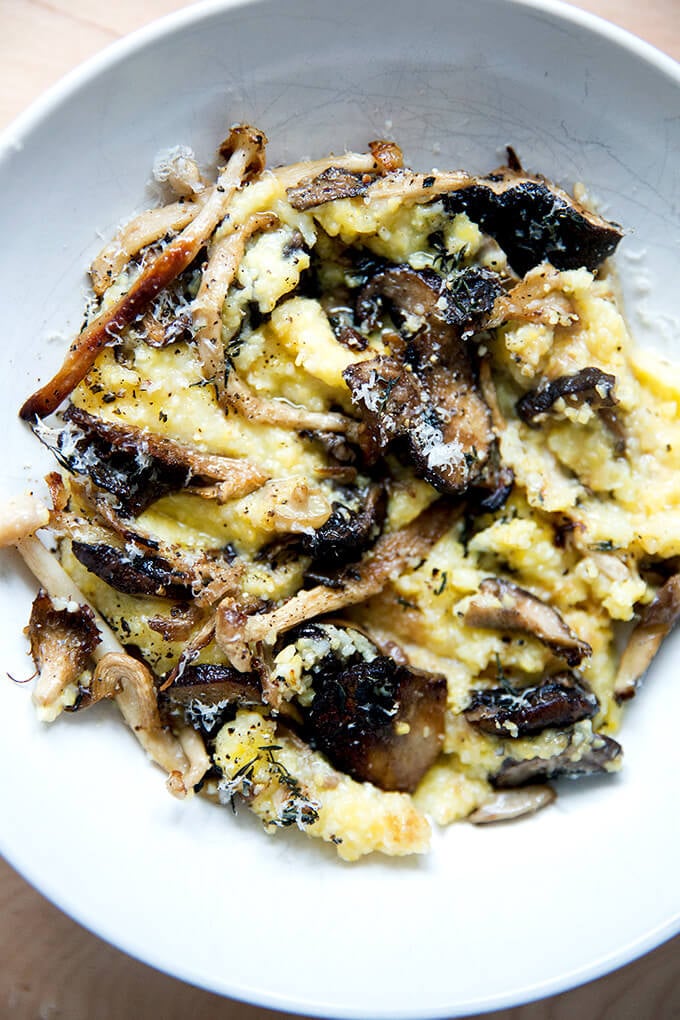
[{"x": 359, "y": 478}]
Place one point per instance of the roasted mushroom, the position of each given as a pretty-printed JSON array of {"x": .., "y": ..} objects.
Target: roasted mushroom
[
  {"x": 561, "y": 701},
  {"x": 599, "y": 754},
  {"x": 655, "y": 623},
  {"x": 130, "y": 683},
  {"x": 204, "y": 692},
  {"x": 502, "y": 605},
  {"x": 423, "y": 399},
  {"x": 379, "y": 722},
  {"x": 63, "y": 636},
  {"x": 534, "y": 221},
  {"x": 351, "y": 529},
  {"x": 134, "y": 574},
  {"x": 588, "y": 386},
  {"x": 244, "y": 155},
  {"x": 137, "y": 466},
  {"x": 332, "y": 183}
]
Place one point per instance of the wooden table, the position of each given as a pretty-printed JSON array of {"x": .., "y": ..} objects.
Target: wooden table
[{"x": 51, "y": 967}]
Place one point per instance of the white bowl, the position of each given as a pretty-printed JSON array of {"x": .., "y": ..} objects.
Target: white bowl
[{"x": 493, "y": 917}]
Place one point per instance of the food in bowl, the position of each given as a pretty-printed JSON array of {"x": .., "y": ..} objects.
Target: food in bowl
[{"x": 359, "y": 476}]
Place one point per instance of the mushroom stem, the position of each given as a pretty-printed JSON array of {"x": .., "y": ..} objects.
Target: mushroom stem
[{"x": 130, "y": 683}]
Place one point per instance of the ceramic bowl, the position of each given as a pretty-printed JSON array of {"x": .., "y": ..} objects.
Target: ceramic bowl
[{"x": 492, "y": 917}]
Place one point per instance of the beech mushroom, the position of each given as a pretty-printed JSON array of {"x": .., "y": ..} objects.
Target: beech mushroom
[{"x": 244, "y": 153}]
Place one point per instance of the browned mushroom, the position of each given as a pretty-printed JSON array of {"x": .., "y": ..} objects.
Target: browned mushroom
[
  {"x": 243, "y": 151},
  {"x": 346, "y": 177},
  {"x": 559, "y": 702},
  {"x": 534, "y": 221},
  {"x": 138, "y": 466},
  {"x": 379, "y": 722},
  {"x": 63, "y": 636},
  {"x": 349, "y": 531},
  {"x": 275, "y": 411},
  {"x": 424, "y": 399},
  {"x": 655, "y": 623},
  {"x": 236, "y": 632},
  {"x": 205, "y": 692},
  {"x": 506, "y": 805},
  {"x": 589, "y": 385},
  {"x": 223, "y": 262},
  {"x": 131, "y": 684},
  {"x": 332, "y": 183},
  {"x": 597, "y": 755},
  {"x": 135, "y": 573},
  {"x": 502, "y": 605}
]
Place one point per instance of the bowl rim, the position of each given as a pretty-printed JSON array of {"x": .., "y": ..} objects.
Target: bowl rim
[{"x": 11, "y": 140}]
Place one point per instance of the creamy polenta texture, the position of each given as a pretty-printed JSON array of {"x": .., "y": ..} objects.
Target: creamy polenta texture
[{"x": 495, "y": 466}]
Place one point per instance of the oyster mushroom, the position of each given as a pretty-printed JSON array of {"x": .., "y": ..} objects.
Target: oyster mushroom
[
  {"x": 236, "y": 633},
  {"x": 559, "y": 702},
  {"x": 130, "y": 683},
  {"x": 141, "y": 574},
  {"x": 349, "y": 531},
  {"x": 424, "y": 399},
  {"x": 655, "y": 623},
  {"x": 506, "y": 805},
  {"x": 138, "y": 466},
  {"x": 599, "y": 754},
  {"x": 62, "y": 635},
  {"x": 502, "y": 605},
  {"x": 379, "y": 722}
]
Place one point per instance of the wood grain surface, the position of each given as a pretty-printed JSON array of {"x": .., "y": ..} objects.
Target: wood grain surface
[{"x": 51, "y": 967}]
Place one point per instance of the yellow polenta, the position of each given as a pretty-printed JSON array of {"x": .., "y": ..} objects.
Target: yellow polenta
[{"x": 621, "y": 507}]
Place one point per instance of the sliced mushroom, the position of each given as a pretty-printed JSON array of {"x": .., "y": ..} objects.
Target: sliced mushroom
[
  {"x": 349, "y": 531},
  {"x": 332, "y": 183},
  {"x": 534, "y": 221},
  {"x": 538, "y": 297},
  {"x": 379, "y": 722},
  {"x": 137, "y": 466},
  {"x": 133, "y": 574},
  {"x": 559, "y": 702},
  {"x": 600, "y": 754},
  {"x": 276, "y": 411},
  {"x": 424, "y": 399},
  {"x": 63, "y": 636},
  {"x": 211, "y": 683},
  {"x": 590, "y": 386},
  {"x": 502, "y": 605},
  {"x": 243, "y": 151},
  {"x": 464, "y": 301},
  {"x": 655, "y": 623},
  {"x": 206, "y": 691},
  {"x": 236, "y": 632},
  {"x": 346, "y": 177},
  {"x": 507, "y": 805}
]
